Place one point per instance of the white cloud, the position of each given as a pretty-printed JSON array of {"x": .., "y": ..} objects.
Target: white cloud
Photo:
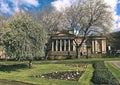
[
  {"x": 62, "y": 4},
  {"x": 31, "y": 2},
  {"x": 25, "y": 2},
  {"x": 113, "y": 4},
  {"x": 5, "y": 8}
]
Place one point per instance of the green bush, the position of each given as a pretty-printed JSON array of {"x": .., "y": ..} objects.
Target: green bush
[
  {"x": 12, "y": 67},
  {"x": 102, "y": 75},
  {"x": 99, "y": 65}
]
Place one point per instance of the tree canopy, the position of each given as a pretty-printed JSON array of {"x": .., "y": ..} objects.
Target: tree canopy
[{"x": 26, "y": 38}]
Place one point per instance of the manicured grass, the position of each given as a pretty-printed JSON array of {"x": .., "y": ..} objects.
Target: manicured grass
[
  {"x": 115, "y": 71},
  {"x": 25, "y": 75},
  {"x": 80, "y": 60},
  {"x": 85, "y": 79},
  {"x": 47, "y": 66}
]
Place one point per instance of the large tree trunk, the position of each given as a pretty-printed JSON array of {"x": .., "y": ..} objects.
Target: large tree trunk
[
  {"x": 30, "y": 63},
  {"x": 87, "y": 54},
  {"x": 77, "y": 51}
]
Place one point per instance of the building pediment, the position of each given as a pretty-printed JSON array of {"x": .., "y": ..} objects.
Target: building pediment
[{"x": 64, "y": 33}]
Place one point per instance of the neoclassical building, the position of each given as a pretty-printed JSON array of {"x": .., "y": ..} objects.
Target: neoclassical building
[{"x": 62, "y": 44}]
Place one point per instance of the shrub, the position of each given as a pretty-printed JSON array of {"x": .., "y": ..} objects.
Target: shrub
[
  {"x": 102, "y": 75},
  {"x": 12, "y": 67},
  {"x": 99, "y": 65}
]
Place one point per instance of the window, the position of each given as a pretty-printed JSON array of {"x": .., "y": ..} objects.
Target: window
[
  {"x": 62, "y": 45},
  {"x": 54, "y": 45},
  {"x": 71, "y": 45},
  {"x": 58, "y": 44},
  {"x": 66, "y": 45}
]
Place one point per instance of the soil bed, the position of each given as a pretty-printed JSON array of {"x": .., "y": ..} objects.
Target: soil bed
[{"x": 68, "y": 75}]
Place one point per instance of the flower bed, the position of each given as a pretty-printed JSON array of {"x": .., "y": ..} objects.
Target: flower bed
[{"x": 68, "y": 75}]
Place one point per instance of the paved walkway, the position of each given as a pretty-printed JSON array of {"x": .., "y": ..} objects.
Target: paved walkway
[
  {"x": 8, "y": 82},
  {"x": 116, "y": 63}
]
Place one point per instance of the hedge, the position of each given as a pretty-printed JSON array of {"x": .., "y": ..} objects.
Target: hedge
[
  {"x": 102, "y": 75},
  {"x": 99, "y": 65}
]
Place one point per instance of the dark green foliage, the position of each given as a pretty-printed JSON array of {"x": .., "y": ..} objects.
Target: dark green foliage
[
  {"x": 12, "y": 67},
  {"x": 99, "y": 65},
  {"x": 102, "y": 75},
  {"x": 26, "y": 38}
]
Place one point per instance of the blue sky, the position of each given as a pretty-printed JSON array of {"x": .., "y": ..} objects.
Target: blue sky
[{"x": 9, "y": 7}]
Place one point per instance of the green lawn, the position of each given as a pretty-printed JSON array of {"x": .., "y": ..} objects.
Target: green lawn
[
  {"x": 25, "y": 74},
  {"x": 115, "y": 71},
  {"x": 86, "y": 77},
  {"x": 77, "y": 60},
  {"x": 47, "y": 66}
]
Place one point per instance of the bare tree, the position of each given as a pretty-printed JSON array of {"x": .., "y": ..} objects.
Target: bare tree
[
  {"x": 49, "y": 19},
  {"x": 88, "y": 17}
]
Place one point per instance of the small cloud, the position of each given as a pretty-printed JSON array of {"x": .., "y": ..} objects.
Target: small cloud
[
  {"x": 31, "y": 2},
  {"x": 5, "y": 5},
  {"x": 4, "y": 8},
  {"x": 60, "y": 5}
]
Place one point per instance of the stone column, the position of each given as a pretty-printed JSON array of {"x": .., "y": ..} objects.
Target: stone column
[
  {"x": 60, "y": 45},
  {"x": 103, "y": 46},
  {"x": 93, "y": 46},
  {"x": 52, "y": 45},
  {"x": 68, "y": 45},
  {"x": 73, "y": 45},
  {"x": 56, "y": 45},
  {"x": 96, "y": 46},
  {"x": 64, "y": 45}
]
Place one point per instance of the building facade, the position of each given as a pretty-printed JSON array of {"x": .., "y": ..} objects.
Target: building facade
[{"x": 62, "y": 45}]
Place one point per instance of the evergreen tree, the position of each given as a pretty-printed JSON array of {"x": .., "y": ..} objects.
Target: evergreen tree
[{"x": 26, "y": 38}]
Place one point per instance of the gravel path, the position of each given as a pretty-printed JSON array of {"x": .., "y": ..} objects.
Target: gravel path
[
  {"x": 8, "y": 82},
  {"x": 116, "y": 63}
]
